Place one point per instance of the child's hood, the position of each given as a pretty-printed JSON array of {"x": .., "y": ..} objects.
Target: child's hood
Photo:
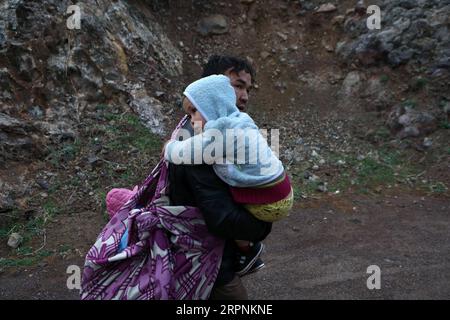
[{"x": 213, "y": 96}]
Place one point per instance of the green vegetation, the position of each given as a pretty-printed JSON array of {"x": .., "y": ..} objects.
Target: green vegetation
[
  {"x": 410, "y": 103},
  {"x": 64, "y": 154},
  {"x": 22, "y": 260},
  {"x": 382, "y": 134},
  {"x": 444, "y": 125},
  {"x": 363, "y": 174},
  {"x": 438, "y": 187},
  {"x": 35, "y": 227},
  {"x": 384, "y": 78},
  {"x": 127, "y": 132},
  {"x": 419, "y": 83}
]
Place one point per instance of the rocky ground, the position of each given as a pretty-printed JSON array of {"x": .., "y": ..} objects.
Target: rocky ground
[{"x": 362, "y": 114}]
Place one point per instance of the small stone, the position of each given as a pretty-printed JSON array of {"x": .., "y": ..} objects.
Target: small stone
[
  {"x": 327, "y": 46},
  {"x": 15, "y": 240},
  {"x": 36, "y": 112},
  {"x": 93, "y": 160},
  {"x": 159, "y": 94},
  {"x": 133, "y": 150},
  {"x": 427, "y": 143},
  {"x": 327, "y": 7},
  {"x": 314, "y": 154},
  {"x": 313, "y": 178},
  {"x": 282, "y": 36},
  {"x": 214, "y": 24},
  {"x": 322, "y": 161},
  {"x": 349, "y": 11},
  {"x": 340, "y": 162},
  {"x": 338, "y": 19},
  {"x": 44, "y": 195},
  {"x": 410, "y": 131},
  {"x": 264, "y": 54},
  {"x": 322, "y": 187},
  {"x": 42, "y": 183},
  {"x": 315, "y": 167}
]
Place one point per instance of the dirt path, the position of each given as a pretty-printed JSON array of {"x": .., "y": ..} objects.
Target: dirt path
[
  {"x": 324, "y": 252},
  {"x": 321, "y": 252},
  {"x": 323, "y": 249}
]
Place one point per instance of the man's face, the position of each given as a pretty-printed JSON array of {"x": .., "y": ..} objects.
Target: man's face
[{"x": 242, "y": 83}]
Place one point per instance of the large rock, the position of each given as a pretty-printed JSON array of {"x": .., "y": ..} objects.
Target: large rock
[
  {"x": 214, "y": 24},
  {"x": 149, "y": 110},
  {"x": 377, "y": 94},
  {"x": 51, "y": 77},
  {"x": 18, "y": 139},
  {"x": 352, "y": 84},
  {"x": 411, "y": 31},
  {"x": 406, "y": 122}
]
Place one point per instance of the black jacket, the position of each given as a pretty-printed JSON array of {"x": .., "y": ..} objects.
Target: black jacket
[{"x": 199, "y": 186}]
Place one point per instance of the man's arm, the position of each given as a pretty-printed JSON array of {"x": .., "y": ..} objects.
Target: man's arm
[{"x": 222, "y": 215}]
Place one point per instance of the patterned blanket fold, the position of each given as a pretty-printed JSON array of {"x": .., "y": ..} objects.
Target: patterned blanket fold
[{"x": 169, "y": 254}]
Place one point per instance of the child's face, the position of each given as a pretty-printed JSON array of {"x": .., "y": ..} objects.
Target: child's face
[{"x": 193, "y": 113}]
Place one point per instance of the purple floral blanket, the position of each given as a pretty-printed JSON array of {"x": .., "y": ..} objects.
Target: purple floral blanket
[{"x": 169, "y": 253}]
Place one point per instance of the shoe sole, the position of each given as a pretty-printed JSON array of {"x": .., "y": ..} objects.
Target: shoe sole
[
  {"x": 261, "y": 266},
  {"x": 244, "y": 271}
]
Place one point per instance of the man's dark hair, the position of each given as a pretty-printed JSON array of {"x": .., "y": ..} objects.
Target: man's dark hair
[{"x": 218, "y": 64}]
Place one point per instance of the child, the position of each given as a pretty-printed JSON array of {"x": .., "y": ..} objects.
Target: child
[{"x": 260, "y": 183}]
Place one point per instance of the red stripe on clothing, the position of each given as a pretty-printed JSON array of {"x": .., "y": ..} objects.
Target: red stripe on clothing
[{"x": 262, "y": 195}]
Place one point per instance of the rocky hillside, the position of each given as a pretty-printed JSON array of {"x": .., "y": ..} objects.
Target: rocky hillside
[
  {"x": 53, "y": 78},
  {"x": 84, "y": 110}
]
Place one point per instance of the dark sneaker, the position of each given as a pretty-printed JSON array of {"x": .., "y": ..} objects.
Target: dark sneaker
[
  {"x": 246, "y": 262},
  {"x": 258, "y": 265}
]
